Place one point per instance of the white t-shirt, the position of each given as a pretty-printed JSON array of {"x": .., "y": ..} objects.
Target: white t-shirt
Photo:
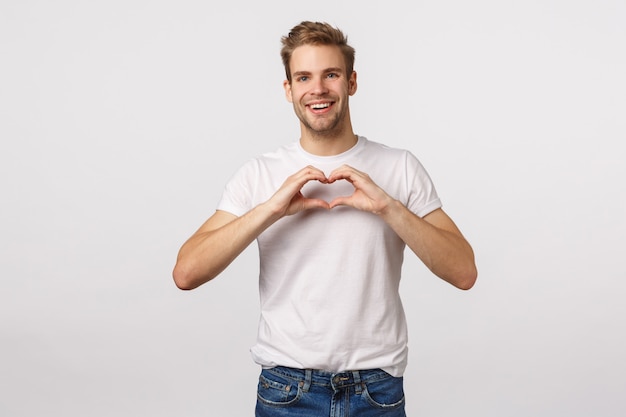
[{"x": 329, "y": 279}]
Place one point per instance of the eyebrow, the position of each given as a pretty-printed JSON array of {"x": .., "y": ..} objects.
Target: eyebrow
[{"x": 325, "y": 71}]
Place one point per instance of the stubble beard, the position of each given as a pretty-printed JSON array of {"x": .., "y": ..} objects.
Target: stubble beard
[{"x": 323, "y": 127}]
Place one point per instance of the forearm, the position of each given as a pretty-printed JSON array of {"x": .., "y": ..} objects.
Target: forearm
[
  {"x": 210, "y": 250},
  {"x": 436, "y": 241},
  {"x": 223, "y": 237}
]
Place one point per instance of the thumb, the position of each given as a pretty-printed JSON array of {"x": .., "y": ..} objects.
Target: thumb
[
  {"x": 313, "y": 203},
  {"x": 339, "y": 201}
]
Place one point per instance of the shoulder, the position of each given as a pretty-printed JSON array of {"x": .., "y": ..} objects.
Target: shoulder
[
  {"x": 268, "y": 158},
  {"x": 276, "y": 156},
  {"x": 392, "y": 154}
]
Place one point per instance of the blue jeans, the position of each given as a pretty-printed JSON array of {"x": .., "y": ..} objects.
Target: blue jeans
[{"x": 288, "y": 392}]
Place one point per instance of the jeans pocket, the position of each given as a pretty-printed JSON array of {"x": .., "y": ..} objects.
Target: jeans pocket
[
  {"x": 385, "y": 393},
  {"x": 276, "y": 391}
]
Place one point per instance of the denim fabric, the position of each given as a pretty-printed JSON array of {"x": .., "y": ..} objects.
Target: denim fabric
[{"x": 288, "y": 392}]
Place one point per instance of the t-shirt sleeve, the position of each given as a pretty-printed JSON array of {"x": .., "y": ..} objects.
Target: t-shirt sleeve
[
  {"x": 422, "y": 195},
  {"x": 237, "y": 194}
]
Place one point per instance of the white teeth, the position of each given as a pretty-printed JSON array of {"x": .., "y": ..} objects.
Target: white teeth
[{"x": 320, "y": 106}]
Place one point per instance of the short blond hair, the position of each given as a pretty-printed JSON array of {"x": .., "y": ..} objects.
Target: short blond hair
[{"x": 315, "y": 33}]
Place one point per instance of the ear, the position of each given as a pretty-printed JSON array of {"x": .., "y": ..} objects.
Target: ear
[
  {"x": 352, "y": 83},
  {"x": 287, "y": 87}
]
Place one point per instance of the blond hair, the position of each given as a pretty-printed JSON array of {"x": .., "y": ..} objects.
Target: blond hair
[{"x": 315, "y": 33}]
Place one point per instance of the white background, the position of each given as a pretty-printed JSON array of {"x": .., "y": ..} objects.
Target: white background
[{"x": 120, "y": 121}]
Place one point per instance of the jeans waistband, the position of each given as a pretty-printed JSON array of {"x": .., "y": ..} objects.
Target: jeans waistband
[{"x": 336, "y": 380}]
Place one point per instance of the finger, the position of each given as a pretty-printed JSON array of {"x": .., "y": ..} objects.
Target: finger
[
  {"x": 312, "y": 173},
  {"x": 296, "y": 181},
  {"x": 338, "y": 173},
  {"x": 346, "y": 172}
]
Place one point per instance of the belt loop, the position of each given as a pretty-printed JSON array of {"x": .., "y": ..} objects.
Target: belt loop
[
  {"x": 357, "y": 382},
  {"x": 308, "y": 376}
]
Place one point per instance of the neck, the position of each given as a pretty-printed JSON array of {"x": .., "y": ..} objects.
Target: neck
[{"x": 327, "y": 144}]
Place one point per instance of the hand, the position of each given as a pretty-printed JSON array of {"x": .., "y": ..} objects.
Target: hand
[
  {"x": 367, "y": 195},
  {"x": 289, "y": 200}
]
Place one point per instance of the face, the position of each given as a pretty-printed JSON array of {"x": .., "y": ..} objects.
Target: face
[{"x": 320, "y": 88}]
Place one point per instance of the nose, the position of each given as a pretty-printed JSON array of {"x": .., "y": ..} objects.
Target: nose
[{"x": 319, "y": 87}]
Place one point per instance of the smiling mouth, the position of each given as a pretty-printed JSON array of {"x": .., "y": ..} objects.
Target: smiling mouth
[{"x": 320, "y": 106}]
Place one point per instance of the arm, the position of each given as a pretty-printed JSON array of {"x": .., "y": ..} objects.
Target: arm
[
  {"x": 224, "y": 236},
  {"x": 435, "y": 239}
]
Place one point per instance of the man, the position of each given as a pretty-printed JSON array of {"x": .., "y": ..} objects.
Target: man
[{"x": 332, "y": 214}]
